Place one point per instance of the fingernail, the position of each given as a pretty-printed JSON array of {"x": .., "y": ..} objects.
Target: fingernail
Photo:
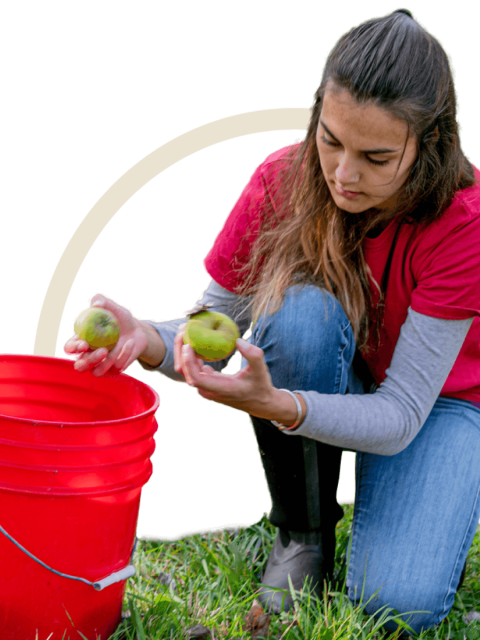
[
  {"x": 98, "y": 303},
  {"x": 243, "y": 343}
]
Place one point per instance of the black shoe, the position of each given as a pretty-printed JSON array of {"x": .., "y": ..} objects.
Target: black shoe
[{"x": 293, "y": 554}]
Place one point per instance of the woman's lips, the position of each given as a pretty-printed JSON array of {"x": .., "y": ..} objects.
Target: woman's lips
[{"x": 347, "y": 194}]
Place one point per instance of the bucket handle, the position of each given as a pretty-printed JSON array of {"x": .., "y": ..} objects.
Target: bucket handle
[{"x": 116, "y": 576}]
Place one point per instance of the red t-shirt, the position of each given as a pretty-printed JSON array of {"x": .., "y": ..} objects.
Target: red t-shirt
[{"x": 435, "y": 270}]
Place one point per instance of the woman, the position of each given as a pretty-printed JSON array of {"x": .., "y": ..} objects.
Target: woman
[{"x": 356, "y": 256}]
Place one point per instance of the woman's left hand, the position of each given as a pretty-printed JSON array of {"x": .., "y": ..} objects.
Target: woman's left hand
[{"x": 249, "y": 390}]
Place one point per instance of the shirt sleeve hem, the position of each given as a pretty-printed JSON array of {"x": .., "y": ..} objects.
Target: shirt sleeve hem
[{"x": 445, "y": 312}]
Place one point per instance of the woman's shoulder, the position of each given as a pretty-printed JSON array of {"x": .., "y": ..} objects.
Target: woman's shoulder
[
  {"x": 463, "y": 211},
  {"x": 274, "y": 161},
  {"x": 457, "y": 229},
  {"x": 465, "y": 206},
  {"x": 468, "y": 200}
]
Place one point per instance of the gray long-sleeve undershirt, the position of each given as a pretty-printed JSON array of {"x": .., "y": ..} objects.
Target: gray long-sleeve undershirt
[{"x": 383, "y": 422}]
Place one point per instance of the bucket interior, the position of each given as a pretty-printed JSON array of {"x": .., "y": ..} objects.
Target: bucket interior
[{"x": 51, "y": 390}]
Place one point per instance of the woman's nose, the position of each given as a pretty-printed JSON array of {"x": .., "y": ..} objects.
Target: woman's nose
[{"x": 346, "y": 172}]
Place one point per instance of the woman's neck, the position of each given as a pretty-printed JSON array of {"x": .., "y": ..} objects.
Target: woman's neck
[{"x": 376, "y": 231}]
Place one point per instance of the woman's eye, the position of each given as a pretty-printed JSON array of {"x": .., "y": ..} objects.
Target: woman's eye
[
  {"x": 337, "y": 144},
  {"x": 332, "y": 144}
]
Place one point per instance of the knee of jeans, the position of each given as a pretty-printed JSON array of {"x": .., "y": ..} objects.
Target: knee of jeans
[{"x": 309, "y": 318}]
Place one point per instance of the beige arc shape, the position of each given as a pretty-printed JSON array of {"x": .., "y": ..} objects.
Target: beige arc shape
[{"x": 133, "y": 180}]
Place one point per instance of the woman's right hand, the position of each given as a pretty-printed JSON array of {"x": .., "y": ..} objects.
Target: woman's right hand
[{"x": 131, "y": 343}]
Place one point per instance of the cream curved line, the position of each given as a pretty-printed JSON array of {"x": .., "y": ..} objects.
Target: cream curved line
[{"x": 126, "y": 186}]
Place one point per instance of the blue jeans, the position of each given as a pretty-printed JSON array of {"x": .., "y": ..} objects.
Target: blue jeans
[{"x": 416, "y": 512}]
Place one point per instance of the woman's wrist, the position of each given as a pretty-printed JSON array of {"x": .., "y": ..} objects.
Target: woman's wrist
[
  {"x": 154, "y": 353},
  {"x": 286, "y": 410}
]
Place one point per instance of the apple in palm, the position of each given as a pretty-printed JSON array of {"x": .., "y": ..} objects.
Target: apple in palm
[
  {"x": 98, "y": 327},
  {"x": 211, "y": 334}
]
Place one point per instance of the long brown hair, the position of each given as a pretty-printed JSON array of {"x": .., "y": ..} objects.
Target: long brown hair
[{"x": 393, "y": 63}]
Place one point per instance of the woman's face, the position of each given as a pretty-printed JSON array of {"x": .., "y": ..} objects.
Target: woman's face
[{"x": 360, "y": 147}]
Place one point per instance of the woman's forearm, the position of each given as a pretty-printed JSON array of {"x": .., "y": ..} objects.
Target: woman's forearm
[{"x": 155, "y": 351}]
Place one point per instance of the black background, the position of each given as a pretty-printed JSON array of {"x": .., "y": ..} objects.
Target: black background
[{"x": 79, "y": 115}]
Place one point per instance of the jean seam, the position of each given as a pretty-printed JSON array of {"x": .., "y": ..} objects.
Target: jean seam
[
  {"x": 350, "y": 339},
  {"x": 342, "y": 374}
]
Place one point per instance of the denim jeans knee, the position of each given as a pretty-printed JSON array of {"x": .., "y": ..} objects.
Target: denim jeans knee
[
  {"x": 308, "y": 343},
  {"x": 415, "y": 518}
]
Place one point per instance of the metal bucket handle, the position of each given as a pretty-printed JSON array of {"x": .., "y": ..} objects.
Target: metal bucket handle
[{"x": 116, "y": 576}]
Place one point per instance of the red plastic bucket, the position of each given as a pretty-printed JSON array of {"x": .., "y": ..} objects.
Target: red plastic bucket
[{"x": 74, "y": 454}]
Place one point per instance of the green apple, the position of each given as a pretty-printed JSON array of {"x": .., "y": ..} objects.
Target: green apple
[
  {"x": 212, "y": 335},
  {"x": 98, "y": 327}
]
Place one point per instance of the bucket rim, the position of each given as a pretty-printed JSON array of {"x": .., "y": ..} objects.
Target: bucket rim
[{"x": 63, "y": 362}]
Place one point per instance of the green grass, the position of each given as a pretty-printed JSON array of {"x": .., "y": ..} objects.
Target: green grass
[{"x": 211, "y": 580}]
